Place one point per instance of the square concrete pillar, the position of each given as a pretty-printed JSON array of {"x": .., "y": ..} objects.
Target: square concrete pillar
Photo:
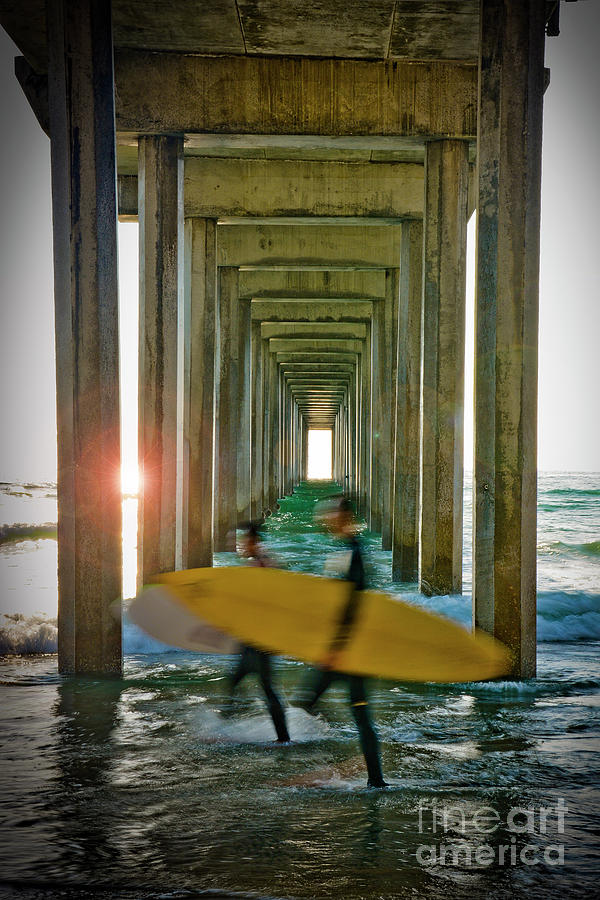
[
  {"x": 227, "y": 409},
  {"x": 445, "y": 245},
  {"x": 84, "y": 210},
  {"x": 244, "y": 475},
  {"x": 160, "y": 204},
  {"x": 256, "y": 422},
  {"x": 388, "y": 405},
  {"x": 407, "y": 454},
  {"x": 506, "y": 337},
  {"x": 200, "y": 298}
]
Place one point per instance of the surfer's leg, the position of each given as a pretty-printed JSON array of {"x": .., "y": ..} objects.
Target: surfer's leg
[
  {"x": 314, "y": 686},
  {"x": 274, "y": 703},
  {"x": 369, "y": 741},
  {"x": 245, "y": 664}
]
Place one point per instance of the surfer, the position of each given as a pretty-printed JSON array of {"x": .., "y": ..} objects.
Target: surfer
[
  {"x": 339, "y": 520},
  {"x": 251, "y": 660}
]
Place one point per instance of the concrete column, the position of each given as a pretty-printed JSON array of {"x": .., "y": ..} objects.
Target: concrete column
[
  {"x": 256, "y": 422},
  {"x": 274, "y": 439},
  {"x": 84, "y": 210},
  {"x": 304, "y": 475},
  {"x": 227, "y": 409},
  {"x": 445, "y": 236},
  {"x": 199, "y": 386},
  {"x": 405, "y": 545},
  {"x": 243, "y": 437},
  {"x": 267, "y": 461},
  {"x": 388, "y": 402},
  {"x": 506, "y": 331},
  {"x": 367, "y": 427},
  {"x": 160, "y": 205},
  {"x": 377, "y": 413}
]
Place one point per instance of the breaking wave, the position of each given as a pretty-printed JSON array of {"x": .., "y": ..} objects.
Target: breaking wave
[{"x": 561, "y": 617}]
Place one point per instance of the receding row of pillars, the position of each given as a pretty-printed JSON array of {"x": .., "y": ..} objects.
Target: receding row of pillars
[{"x": 398, "y": 414}]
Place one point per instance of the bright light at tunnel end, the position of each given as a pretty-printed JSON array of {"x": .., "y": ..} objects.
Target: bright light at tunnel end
[{"x": 320, "y": 462}]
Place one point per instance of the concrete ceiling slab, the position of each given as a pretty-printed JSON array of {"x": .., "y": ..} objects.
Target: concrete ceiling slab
[{"x": 344, "y": 28}]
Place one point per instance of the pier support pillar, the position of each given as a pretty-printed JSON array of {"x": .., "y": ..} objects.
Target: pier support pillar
[
  {"x": 228, "y": 409},
  {"x": 388, "y": 404},
  {"x": 84, "y": 210},
  {"x": 243, "y": 438},
  {"x": 405, "y": 549},
  {"x": 200, "y": 295},
  {"x": 160, "y": 204},
  {"x": 445, "y": 244},
  {"x": 506, "y": 331},
  {"x": 256, "y": 499}
]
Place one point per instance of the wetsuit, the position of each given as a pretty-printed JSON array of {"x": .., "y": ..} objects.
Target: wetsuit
[
  {"x": 321, "y": 679},
  {"x": 253, "y": 661}
]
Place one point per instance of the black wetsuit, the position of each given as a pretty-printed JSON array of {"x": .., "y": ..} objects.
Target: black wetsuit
[
  {"x": 257, "y": 662},
  {"x": 321, "y": 679}
]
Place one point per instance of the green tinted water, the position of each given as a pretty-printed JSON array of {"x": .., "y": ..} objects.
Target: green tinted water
[{"x": 143, "y": 788}]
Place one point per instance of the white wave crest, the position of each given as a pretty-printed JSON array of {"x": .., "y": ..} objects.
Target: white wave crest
[{"x": 24, "y": 635}]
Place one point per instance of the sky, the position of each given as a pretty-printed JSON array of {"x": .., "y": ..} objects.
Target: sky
[{"x": 569, "y": 354}]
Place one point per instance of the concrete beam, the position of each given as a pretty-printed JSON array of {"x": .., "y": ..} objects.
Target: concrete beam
[
  {"x": 309, "y": 285},
  {"x": 318, "y": 329},
  {"x": 289, "y": 345},
  {"x": 311, "y": 310},
  {"x": 256, "y": 187},
  {"x": 282, "y": 248},
  {"x": 176, "y": 93}
]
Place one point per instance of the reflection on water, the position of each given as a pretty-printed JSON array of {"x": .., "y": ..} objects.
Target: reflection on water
[
  {"x": 143, "y": 788},
  {"x": 143, "y": 783}
]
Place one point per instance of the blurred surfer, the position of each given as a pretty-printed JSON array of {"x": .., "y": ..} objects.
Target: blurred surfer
[
  {"x": 251, "y": 660},
  {"x": 338, "y": 518}
]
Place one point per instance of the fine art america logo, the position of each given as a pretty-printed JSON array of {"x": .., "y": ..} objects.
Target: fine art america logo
[{"x": 482, "y": 836}]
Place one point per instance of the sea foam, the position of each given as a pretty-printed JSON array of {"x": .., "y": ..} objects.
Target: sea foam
[{"x": 561, "y": 616}]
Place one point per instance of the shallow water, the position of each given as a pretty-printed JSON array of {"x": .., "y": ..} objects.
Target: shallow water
[
  {"x": 144, "y": 784},
  {"x": 151, "y": 786}
]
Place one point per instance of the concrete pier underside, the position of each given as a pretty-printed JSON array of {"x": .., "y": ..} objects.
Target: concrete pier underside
[{"x": 302, "y": 177}]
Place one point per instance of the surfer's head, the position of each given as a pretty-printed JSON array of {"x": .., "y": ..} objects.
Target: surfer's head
[
  {"x": 250, "y": 540},
  {"x": 339, "y": 517}
]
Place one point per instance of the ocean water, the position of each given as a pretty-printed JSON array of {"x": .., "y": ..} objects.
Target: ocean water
[
  {"x": 151, "y": 786},
  {"x": 568, "y": 560}
]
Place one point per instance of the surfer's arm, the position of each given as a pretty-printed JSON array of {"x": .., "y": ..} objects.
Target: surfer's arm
[{"x": 356, "y": 579}]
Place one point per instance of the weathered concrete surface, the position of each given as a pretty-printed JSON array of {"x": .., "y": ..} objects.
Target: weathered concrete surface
[
  {"x": 395, "y": 29},
  {"x": 312, "y": 310},
  {"x": 256, "y": 369},
  {"x": 258, "y": 187},
  {"x": 326, "y": 286},
  {"x": 510, "y": 142},
  {"x": 338, "y": 330},
  {"x": 243, "y": 433},
  {"x": 227, "y": 409},
  {"x": 84, "y": 211},
  {"x": 199, "y": 385},
  {"x": 309, "y": 245},
  {"x": 445, "y": 241},
  {"x": 405, "y": 543},
  {"x": 268, "y": 191},
  {"x": 169, "y": 93},
  {"x": 161, "y": 221}
]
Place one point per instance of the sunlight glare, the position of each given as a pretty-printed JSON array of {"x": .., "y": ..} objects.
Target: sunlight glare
[{"x": 319, "y": 453}]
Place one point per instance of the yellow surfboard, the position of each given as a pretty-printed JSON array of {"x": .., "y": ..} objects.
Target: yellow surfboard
[{"x": 297, "y": 615}]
